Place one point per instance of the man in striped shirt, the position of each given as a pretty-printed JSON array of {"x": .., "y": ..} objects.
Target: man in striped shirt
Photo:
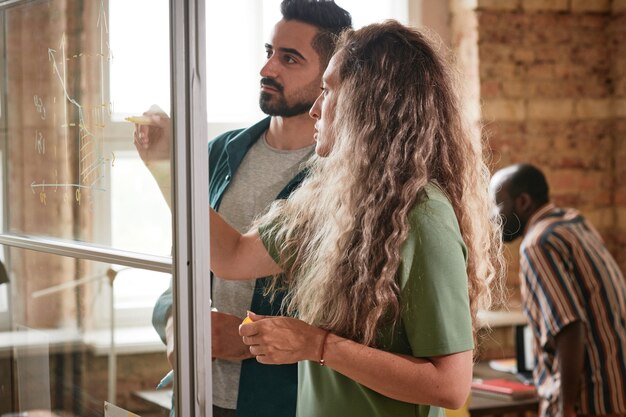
[{"x": 574, "y": 298}]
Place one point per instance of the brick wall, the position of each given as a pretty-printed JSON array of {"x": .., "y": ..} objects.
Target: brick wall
[
  {"x": 553, "y": 93},
  {"x": 617, "y": 33}
]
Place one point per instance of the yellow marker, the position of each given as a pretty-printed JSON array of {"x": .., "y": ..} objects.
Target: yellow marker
[
  {"x": 140, "y": 120},
  {"x": 247, "y": 320}
]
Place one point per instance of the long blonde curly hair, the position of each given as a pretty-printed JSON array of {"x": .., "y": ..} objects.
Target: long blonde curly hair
[{"x": 398, "y": 127}]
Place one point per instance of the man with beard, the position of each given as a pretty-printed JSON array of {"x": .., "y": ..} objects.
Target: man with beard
[
  {"x": 249, "y": 168},
  {"x": 574, "y": 298}
]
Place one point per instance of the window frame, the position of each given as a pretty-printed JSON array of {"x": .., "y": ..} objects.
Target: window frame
[{"x": 191, "y": 288}]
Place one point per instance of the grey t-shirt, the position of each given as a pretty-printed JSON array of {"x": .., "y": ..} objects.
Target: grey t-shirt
[{"x": 263, "y": 173}]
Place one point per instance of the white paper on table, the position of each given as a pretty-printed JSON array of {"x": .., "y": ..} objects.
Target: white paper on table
[{"x": 111, "y": 410}]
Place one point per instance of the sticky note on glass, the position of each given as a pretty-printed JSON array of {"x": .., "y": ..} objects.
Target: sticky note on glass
[{"x": 140, "y": 120}]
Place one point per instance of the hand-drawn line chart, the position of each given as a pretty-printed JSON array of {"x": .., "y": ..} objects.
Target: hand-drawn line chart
[{"x": 91, "y": 160}]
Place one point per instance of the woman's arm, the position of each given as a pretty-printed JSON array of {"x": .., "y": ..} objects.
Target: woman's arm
[
  {"x": 441, "y": 381},
  {"x": 238, "y": 256}
]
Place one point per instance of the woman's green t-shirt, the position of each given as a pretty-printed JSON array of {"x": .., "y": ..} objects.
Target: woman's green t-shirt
[{"x": 435, "y": 316}]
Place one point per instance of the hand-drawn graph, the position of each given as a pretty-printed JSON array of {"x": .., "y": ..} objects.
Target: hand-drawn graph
[{"x": 88, "y": 123}]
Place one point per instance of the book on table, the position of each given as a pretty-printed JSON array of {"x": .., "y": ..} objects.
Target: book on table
[
  {"x": 508, "y": 365},
  {"x": 503, "y": 388}
]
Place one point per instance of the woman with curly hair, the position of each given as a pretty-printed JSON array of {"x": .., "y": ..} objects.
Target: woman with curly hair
[{"x": 387, "y": 250}]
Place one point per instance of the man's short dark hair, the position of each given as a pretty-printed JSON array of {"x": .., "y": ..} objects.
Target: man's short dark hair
[
  {"x": 323, "y": 14},
  {"x": 529, "y": 179}
]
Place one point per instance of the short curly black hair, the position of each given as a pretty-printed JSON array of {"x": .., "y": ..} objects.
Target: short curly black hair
[
  {"x": 323, "y": 14},
  {"x": 529, "y": 179}
]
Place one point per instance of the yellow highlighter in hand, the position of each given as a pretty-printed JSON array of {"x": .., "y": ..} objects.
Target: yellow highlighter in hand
[{"x": 140, "y": 120}]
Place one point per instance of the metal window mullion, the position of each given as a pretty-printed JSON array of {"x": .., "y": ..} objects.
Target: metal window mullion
[
  {"x": 88, "y": 252},
  {"x": 190, "y": 211}
]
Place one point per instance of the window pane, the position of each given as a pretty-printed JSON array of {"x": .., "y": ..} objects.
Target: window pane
[
  {"x": 3, "y": 299},
  {"x": 372, "y": 11},
  {"x": 140, "y": 217},
  {"x": 138, "y": 288},
  {"x": 140, "y": 64},
  {"x": 61, "y": 168},
  {"x": 59, "y": 348},
  {"x": 235, "y": 53}
]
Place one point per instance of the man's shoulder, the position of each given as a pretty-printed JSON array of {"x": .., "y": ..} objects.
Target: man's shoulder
[
  {"x": 246, "y": 134},
  {"x": 223, "y": 138},
  {"x": 555, "y": 224},
  {"x": 539, "y": 234}
]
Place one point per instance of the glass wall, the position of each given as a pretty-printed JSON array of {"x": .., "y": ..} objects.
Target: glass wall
[
  {"x": 92, "y": 232},
  {"x": 62, "y": 141},
  {"x": 64, "y": 357}
]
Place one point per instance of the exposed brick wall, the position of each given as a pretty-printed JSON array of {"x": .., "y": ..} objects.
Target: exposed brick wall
[
  {"x": 617, "y": 36},
  {"x": 553, "y": 93}
]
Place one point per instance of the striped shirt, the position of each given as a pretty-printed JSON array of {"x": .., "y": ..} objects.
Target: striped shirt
[{"x": 567, "y": 275}]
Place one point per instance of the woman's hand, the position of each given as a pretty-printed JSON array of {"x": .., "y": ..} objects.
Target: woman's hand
[
  {"x": 443, "y": 380},
  {"x": 282, "y": 340}
]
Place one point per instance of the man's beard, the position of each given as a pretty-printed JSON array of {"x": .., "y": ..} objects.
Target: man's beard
[
  {"x": 276, "y": 104},
  {"x": 512, "y": 227},
  {"x": 280, "y": 107}
]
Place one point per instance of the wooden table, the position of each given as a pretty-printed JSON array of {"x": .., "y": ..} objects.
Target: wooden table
[
  {"x": 483, "y": 406},
  {"x": 478, "y": 406},
  {"x": 486, "y": 406}
]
